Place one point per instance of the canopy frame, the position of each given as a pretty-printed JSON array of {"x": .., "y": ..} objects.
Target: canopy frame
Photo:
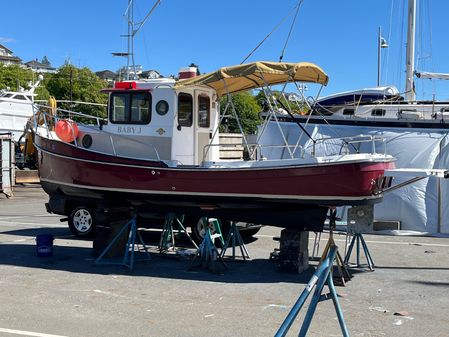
[{"x": 260, "y": 75}]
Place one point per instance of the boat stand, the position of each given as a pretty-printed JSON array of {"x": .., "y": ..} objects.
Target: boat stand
[
  {"x": 358, "y": 239},
  {"x": 343, "y": 273},
  {"x": 207, "y": 255},
  {"x": 167, "y": 240},
  {"x": 319, "y": 278},
  {"x": 128, "y": 257},
  {"x": 235, "y": 239}
]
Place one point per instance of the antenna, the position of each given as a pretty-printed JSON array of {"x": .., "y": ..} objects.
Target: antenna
[{"x": 133, "y": 29}]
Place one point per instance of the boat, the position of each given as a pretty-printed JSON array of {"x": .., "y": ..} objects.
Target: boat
[
  {"x": 158, "y": 150},
  {"x": 16, "y": 108},
  {"x": 415, "y": 130}
]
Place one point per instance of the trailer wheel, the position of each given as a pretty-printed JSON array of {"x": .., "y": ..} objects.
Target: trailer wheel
[
  {"x": 81, "y": 221},
  {"x": 199, "y": 230}
]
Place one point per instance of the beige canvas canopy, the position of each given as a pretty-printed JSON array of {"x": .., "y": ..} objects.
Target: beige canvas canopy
[{"x": 255, "y": 75}]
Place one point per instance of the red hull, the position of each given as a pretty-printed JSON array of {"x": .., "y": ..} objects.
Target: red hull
[{"x": 325, "y": 184}]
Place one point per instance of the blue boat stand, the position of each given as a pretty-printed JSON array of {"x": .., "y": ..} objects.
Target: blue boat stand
[
  {"x": 207, "y": 255},
  {"x": 358, "y": 239},
  {"x": 318, "y": 280},
  {"x": 167, "y": 240},
  {"x": 128, "y": 258},
  {"x": 234, "y": 239}
]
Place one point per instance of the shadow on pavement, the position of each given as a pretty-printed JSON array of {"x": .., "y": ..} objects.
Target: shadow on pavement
[{"x": 81, "y": 260}]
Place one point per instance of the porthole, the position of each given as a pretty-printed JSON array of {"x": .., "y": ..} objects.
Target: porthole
[
  {"x": 87, "y": 141},
  {"x": 162, "y": 107}
]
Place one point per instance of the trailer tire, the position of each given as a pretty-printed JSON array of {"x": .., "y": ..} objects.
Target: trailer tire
[
  {"x": 82, "y": 221},
  {"x": 198, "y": 230}
]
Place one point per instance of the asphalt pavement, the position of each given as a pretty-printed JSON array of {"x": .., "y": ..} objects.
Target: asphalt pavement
[{"x": 68, "y": 295}]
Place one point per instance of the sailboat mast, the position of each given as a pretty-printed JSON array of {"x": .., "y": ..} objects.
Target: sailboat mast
[{"x": 410, "y": 52}]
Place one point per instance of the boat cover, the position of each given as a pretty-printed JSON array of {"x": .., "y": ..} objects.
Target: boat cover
[
  {"x": 255, "y": 75},
  {"x": 421, "y": 206}
]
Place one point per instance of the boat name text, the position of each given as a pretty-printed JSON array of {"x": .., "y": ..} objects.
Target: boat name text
[{"x": 129, "y": 129}]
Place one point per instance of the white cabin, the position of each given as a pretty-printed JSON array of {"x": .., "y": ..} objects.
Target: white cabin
[{"x": 151, "y": 120}]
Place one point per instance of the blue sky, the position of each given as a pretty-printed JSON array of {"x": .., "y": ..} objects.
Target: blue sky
[{"x": 340, "y": 36}]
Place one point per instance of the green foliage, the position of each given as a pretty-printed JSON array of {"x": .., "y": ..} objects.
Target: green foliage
[
  {"x": 45, "y": 61},
  {"x": 78, "y": 84},
  {"x": 247, "y": 109},
  {"x": 13, "y": 76},
  {"x": 281, "y": 103}
]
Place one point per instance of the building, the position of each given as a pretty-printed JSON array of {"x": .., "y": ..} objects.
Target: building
[
  {"x": 150, "y": 74},
  {"x": 39, "y": 67},
  {"x": 7, "y": 58},
  {"x": 106, "y": 75}
]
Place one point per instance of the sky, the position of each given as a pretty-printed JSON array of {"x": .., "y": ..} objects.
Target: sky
[{"x": 339, "y": 36}]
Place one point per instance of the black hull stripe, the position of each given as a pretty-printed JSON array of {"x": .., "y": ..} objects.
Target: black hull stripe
[{"x": 376, "y": 124}]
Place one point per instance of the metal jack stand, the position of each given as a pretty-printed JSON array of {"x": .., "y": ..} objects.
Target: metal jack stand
[
  {"x": 235, "y": 239},
  {"x": 207, "y": 255},
  {"x": 343, "y": 272},
  {"x": 128, "y": 257},
  {"x": 358, "y": 239},
  {"x": 167, "y": 240},
  {"x": 319, "y": 278},
  {"x": 360, "y": 220}
]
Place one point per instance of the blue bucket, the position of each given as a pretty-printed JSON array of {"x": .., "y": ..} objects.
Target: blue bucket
[{"x": 44, "y": 245}]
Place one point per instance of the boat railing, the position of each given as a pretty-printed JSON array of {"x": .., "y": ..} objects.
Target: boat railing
[
  {"x": 48, "y": 118},
  {"x": 346, "y": 145},
  {"x": 328, "y": 145}
]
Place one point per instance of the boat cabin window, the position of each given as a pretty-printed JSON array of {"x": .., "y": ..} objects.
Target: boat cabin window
[
  {"x": 348, "y": 112},
  {"x": 185, "y": 109},
  {"x": 203, "y": 111},
  {"x": 21, "y": 97},
  {"x": 378, "y": 112},
  {"x": 130, "y": 108}
]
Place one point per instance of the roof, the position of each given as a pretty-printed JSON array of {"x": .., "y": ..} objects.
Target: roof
[
  {"x": 105, "y": 73},
  {"x": 37, "y": 64},
  {"x": 255, "y": 75},
  {"x": 7, "y": 49}
]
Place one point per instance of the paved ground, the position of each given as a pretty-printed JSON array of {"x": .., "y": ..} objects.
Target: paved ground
[{"x": 67, "y": 295}]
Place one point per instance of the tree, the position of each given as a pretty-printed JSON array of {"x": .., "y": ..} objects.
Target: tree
[
  {"x": 78, "y": 84},
  {"x": 45, "y": 61},
  {"x": 282, "y": 103},
  {"x": 198, "y": 72},
  {"x": 247, "y": 109},
  {"x": 14, "y": 77}
]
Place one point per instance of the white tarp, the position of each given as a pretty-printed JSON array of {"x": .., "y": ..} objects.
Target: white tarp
[{"x": 416, "y": 206}]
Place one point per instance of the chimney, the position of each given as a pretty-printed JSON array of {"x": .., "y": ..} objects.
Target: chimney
[{"x": 187, "y": 72}]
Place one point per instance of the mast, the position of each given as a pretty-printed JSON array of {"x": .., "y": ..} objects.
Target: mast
[
  {"x": 410, "y": 52},
  {"x": 133, "y": 28},
  {"x": 130, "y": 39}
]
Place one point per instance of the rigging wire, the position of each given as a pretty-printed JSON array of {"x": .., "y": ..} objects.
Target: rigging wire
[
  {"x": 291, "y": 28},
  {"x": 269, "y": 34}
]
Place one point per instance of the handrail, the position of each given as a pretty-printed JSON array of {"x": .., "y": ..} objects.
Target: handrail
[
  {"x": 346, "y": 142},
  {"x": 111, "y": 135}
]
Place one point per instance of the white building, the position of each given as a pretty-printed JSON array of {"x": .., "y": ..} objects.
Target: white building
[{"x": 7, "y": 58}]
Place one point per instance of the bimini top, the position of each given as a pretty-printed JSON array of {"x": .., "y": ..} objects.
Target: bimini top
[{"x": 255, "y": 75}]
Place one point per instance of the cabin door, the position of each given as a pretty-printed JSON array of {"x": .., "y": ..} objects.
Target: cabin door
[
  {"x": 202, "y": 123},
  {"x": 183, "y": 137}
]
